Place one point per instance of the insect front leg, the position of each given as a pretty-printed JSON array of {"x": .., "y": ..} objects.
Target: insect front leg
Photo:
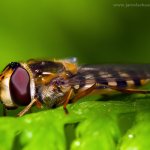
[{"x": 28, "y": 107}]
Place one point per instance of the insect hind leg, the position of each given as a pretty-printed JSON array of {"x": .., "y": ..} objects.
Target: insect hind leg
[{"x": 131, "y": 91}]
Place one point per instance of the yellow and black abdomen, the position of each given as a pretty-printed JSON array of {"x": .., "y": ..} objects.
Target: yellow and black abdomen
[{"x": 108, "y": 77}]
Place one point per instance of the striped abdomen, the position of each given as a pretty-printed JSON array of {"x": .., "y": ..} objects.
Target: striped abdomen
[{"x": 107, "y": 76}]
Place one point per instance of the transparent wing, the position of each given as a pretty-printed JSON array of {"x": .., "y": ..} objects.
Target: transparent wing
[{"x": 117, "y": 75}]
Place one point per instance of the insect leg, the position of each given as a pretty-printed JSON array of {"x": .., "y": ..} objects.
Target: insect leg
[
  {"x": 67, "y": 97},
  {"x": 27, "y": 108},
  {"x": 38, "y": 104},
  {"x": 84, "y": 93},
  {"x": 131, "y": 91}
]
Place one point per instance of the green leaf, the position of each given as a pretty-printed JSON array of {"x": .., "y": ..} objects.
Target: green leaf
[
  {"x": 96, "y": 132},
  {"x": 92, "y": 123},
  {"x": 138, "y": 136}
]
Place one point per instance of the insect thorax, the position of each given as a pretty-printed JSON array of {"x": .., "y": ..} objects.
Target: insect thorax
[{"x": 53, "y": 93}]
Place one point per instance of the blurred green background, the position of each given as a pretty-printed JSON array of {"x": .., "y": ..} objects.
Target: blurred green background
[{"x": 95, "y": 31}]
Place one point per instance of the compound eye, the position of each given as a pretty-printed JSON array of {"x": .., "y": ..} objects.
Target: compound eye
[{"x": 20, "y": 87}]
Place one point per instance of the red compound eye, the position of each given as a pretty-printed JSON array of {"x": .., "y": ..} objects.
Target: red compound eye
[{"x": 20, "y": 87}]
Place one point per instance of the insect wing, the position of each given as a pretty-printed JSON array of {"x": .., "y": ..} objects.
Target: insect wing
[
  {"x": 120, "y": 76},
  {"x": 45, "y": 66}
]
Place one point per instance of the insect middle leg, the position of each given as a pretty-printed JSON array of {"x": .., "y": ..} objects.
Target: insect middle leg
[
  {"x": 67, "y": 99},
  {"x": 78, "y": 96},
  {"x": 83, "y": 92}
]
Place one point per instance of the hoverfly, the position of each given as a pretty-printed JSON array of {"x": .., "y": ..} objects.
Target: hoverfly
[{"x": 58, "y": 82}]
